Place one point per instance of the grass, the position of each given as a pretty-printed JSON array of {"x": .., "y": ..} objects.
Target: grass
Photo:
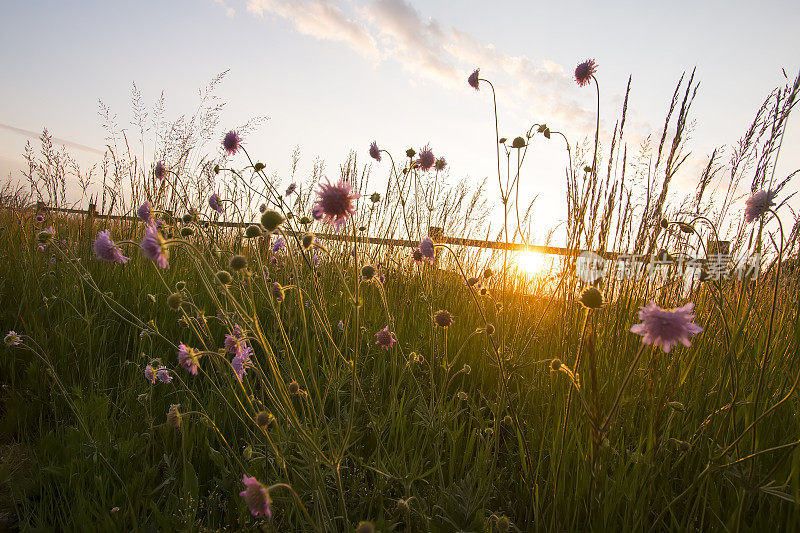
[{"x": 455, "y": 429}]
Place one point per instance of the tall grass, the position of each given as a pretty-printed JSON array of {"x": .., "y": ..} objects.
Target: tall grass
[{"x": 529, "y": 412}]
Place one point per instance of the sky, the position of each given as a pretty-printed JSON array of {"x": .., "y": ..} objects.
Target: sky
[{"x": 332, "y": 76}]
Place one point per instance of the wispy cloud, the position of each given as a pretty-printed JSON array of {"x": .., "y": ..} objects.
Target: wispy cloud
[
  {"x": 321, "y": 19},
  {"x": 229, "y": 11},
  {"x": 56, "y": 140}
]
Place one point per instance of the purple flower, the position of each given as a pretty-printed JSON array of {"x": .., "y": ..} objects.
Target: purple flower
[
  {"x": 440, "y": 164},
  {"x": 473, "y": 79},
  {"x": 666, "y": 327},
  {"x": 159, "y": 170},
  {"x": 374, "y": 151},
  {"x": 39, "y": 219},
  {"x": 426, "y": 158},
  {"x": 585, "y": 72},
  {"x": 290, "y": 189},
  {"x": 145, "y": 212},
  {"x": 417, "y": 256},
  {"x": 150, "y": 373},
  {"x": 162, "y": 374},
  {"x": 340, "y": 325},
  {"x": 385, "y": 338},
  {"x": 241, "y": 361},
  {"x": 231, "y": 142},
  {"x": 335, "y": 202},
  {"x": 427, "y": 249},
  {"x": 279, "y": 245},
  {"x": 233, "y": 340},
  {"x": 278, "y": 292},
  {"x": 12, "y": 338},
  {"x": 382, "y": 278},
  {"x": 443, "y": 318},
  {"x": 256, "y": 497},
  {"x": 214, "y": 201},
  {"x": 154, "y": 246},
  {"x": 758, "y": 204},
  {"x": 273, "y": 260},
  {"x": 188, "y": 358},
  {"x": 41, "y": 247},
  {"x": 106, "y": 250}
]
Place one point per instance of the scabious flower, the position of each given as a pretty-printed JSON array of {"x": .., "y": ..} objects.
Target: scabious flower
[
  {"x": 159, "y": 170},
  {"x": 188, "y": 358},
  {"x": 585, "y": 71},
  {"x": 426, "y": 158},
  {"x": 12, "y": 338},
  {"x": 666, "y": 327},
  {"x": 106, "y": 250},
  {"x": 278, "y": 292},
  {"x": 174, "y": 416},
  {"x": 241, "y": 361},
  {"x": 145, "y": 212},
  {"x": 443, "y": 318},
  {"x": 279, "y": 245},
  {"x": 335, "y": 202},
  {"x": 256, "y": 497},
  {"x": 427, "y": 249},
  {"x": 374, "y": 151},
  {"x": 214, "y": 201},
  {"x": 162, "y": 374},
  {"x": 417, "y": 256},
  {"x": 758, "y": 204},
  {"x": 290, "y": 189},
  {"x": 150, "y": 373},
  {"x": 233, "y": 340},
  {"x": 473, "y": 79},
  {"x": 385, "y": 338},
  {"x": 440, "y": 164},
  {"x": 154, "y": 247},
  {"x": 231, "y": 142}
]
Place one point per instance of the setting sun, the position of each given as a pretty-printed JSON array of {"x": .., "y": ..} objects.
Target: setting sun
[{"x": 532, "y": 263}]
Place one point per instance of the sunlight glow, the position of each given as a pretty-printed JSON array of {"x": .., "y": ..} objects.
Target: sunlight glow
[{"x": 532, "y": 263}]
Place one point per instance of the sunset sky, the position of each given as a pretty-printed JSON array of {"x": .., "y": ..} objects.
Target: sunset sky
[{"x": 335, "y": 75}]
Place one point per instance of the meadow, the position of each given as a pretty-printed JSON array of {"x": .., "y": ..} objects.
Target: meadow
[{"x": 167, "y": 372}]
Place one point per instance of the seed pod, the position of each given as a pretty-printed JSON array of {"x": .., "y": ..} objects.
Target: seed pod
[
  {"x": 237, "y": 262},
  {"x": 224, "y": 277},
  {"x": 271, "y": 220}
]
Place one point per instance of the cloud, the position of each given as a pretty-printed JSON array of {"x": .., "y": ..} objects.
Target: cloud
[
  {"x": 321, "y": 19},
  {"x": 229, "y": 11},
  {"x": 56, "y": 140}
]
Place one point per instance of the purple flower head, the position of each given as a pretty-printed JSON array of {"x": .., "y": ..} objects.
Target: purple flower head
[
  {"x": 473, "y": 79},
  {"x": 231, "y": 142},
  {"x": 440, "y": 164},
  {"x": 443, "y": 318},
  {"x": 273, "y": 260},
  {"x": 41, "y": 247},
  {"x": 335, "y": 202},
  {"x": 382, "y": 278},
  {"x": 233, "y": 340},
  {"x": 278, "y": 292},
  {"x": 374, "y": 151},
  {"x": 106, "y": 250},
  {"x": 12, "y": 338},
  {"x": 214, "y": 201},
  {"x": 758, "y": 204},
  {"x": 162, "y": 374},
  {"x": 417, "y": 256},
  {"x": 145, "y": 212},
  {"x": 154, "y": 246},
  {"x": 241, "y": 361},
  {"x": 279, "y": 245},
  {"x": 262, "y": 208},
  {"x": 340, "y": 325},
  {"x": 159, "y": 171},
  {"x": 188, "y": 358},
  {"x": 159, "y": 224},
  {"x": 427, "y": 249},
  {"x": 39, "y": 219},
  {"x": 666, "y": 327},
  {"x": 290, "y": 189},
  {"x": 584, "y": 72},
  {"x": 150, "y": 373},
  {"x": 426, "y": 158},
  {"x": 256, "y": 497},
  {"x": 315, "y": 260},
  {"x": 385, "y": 338}
]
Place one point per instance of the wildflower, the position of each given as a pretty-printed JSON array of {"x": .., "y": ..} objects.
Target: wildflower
[
  {"x": 385, "y": 338},
  {"x": 307, "y": 241},
  {"x": 46, "y": 235},
  {"x": 340, "y": 325},
  {"x": 293, "y": 387},
  {"x": 666, "y": 327},
  {"x": 758, "y": 204},
  {"x": 12, "y": 338},
  {"x": 241, "y": 361},
  {"x": 162, "y": 374},
  {"x": 224, "y": 277},
  {"x": 231, "y": 142},
  {"x": 271, "y": 220},
  {"x": 214, "y": 201},
  {"x": 175, "y": 301},
  {"x": 382, "y": 278},
  {"x": 440, "y": 164},
  {"x": 374, "y": 151},
  {"x": 585, "y": 72},
  {"x": 591, "y": 298},
  {"x": 290, "y": 189},
  {"x": 252, "y": 231},
  {"x": 39, "y": 219},
  {"x": 443, "y": 319},
  {"x": 263, "y": 419},
  {"x": 335, "y": 202},
  {"x": 256, "y": 497},
  {"x": 174, "y": 416},
  {"x": 473, "y": 79},
  {"x": 367, "y": 272},
  {"x": 237, "y": 262},
  {"x": 417, "y": 256},
  {"x": 278, "y": 292},
  {"x": 375, "y": 197},
  {"x": 188, "y": 358},
  {"x": 426, "y": 158},
  {"x": 279, "y": 245},
  {"x": 159, "y": 170},
  {"x": 233, "y": 340},
  {"x": 150, "y": 373},
  {"x": 106, "y": 250},
  {"x": 145, "y": 212},
  {"x": 154, "y": 246},
  {"x": 410, "y": 153},
  {"x": 427, "y": 249},
  {"x": 518, "y": 142}
]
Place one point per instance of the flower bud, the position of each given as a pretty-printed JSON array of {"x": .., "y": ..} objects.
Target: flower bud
[
  {"x": 258, "y": 167},
  {"x": 410, "y": 153},
  {"x": 224, "y": 277},
  {"x": 518, "y": 142},
  {"x": 375, "y": 197},
  {"x": 293, "y": 387},
  {"x": 174, "y": 301},
  {"x": 264, "y": 419},
  {"x": 487, "y": 273},
  {"x": 591, "y": 298},
  {"x": 216, "y": 169},
  {"x": 271, "y": 220},
  {"x": 305, "y": 221},
  {"x": 174, "y": 416},
  {"x": 252, "y": 231},
  {"x": 555, "y": 365},
  {"x": 237, "y": 262},
  {"x": 307, "y": 241},
  {"x": 367, "y": 272},
  {"x": 187, "y": 232},
  {"x": 365, "y": 527},
  {"x": 686, "y": 228}
]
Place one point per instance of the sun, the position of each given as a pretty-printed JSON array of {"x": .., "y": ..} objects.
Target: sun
[{"x": 532, "y": 263}]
